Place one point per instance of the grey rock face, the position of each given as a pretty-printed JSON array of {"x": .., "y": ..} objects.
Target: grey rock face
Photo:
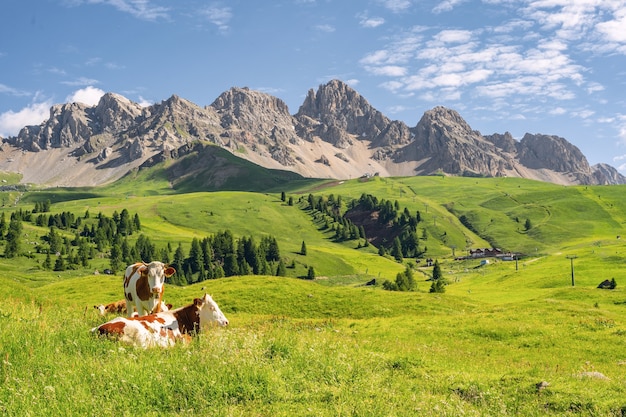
[{"x": 119, "y": 135}]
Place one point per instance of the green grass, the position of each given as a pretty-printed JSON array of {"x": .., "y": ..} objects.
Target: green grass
[
  {"x": 297, "y": 348},
  {"x": 333, "y": 346}
]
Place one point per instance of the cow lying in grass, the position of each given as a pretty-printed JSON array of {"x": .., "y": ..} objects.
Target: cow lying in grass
[
  {"x": 166, "y": 327},
  {"x": 119, "y": 307}
]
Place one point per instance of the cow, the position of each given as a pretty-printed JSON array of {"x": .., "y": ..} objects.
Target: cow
[
  {"x": 116, "y": 308},
  {"x": 143, "y": 286},
  {"x": 119, "y": 307},
  {"x": 166, "y": 327}
]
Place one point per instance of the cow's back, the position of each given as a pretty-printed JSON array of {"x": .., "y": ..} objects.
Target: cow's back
[{"x": 147, "y": 331}]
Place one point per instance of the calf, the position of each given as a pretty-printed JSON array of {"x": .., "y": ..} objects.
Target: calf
[
  {"x": 115, "y": 308},
  {"x": 143, "y": 287},
  {"x": 164, "y": 328},
  {"x": 119, "y": 307}
]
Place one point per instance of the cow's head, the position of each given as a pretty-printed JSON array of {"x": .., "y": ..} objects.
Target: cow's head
[
  {"x": 156, "y": 273},
  {"x": 101, "y": 309},
  {"x": 209, "y": 312}
]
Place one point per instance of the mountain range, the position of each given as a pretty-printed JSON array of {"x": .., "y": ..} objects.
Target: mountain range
[{"x": 336, "y": 133}]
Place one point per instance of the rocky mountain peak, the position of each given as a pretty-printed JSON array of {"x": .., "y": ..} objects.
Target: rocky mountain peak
[
  {"x": 337, "y": 114},
  {"x": 248, "y": 109},
  {"x": 335, "y": 134},
  {"x": 115, "y": 112},
  {"x": 552, "y": 152},
  {"x": 441, "y": 121},
  {"x": 258, "y": 120}
]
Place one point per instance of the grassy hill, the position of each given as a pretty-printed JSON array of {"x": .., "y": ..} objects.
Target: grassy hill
[{"x": 334, "y": 346}]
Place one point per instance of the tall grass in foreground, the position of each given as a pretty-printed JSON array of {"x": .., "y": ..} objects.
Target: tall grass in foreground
[{"x": 421, "y": 357}]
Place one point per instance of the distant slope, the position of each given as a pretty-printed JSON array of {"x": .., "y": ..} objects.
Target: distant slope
[{"x": 205, "y": 167}]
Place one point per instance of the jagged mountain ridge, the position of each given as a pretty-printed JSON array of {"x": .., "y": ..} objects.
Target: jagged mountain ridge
[{"x": 336, "y": 133}]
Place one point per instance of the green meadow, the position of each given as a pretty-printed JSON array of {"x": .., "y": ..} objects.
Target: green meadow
[{"x": 532, "y": 337}]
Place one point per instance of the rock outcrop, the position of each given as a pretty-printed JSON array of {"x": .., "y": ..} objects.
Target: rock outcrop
[{"x": 336, "y": 133}]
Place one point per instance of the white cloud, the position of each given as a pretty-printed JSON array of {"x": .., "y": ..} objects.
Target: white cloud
[
  {"x": 219, "y": 16},
  {"x": 12, "y": 122},
  {"x": 397, "y": 5},
  {"x": 325, "y": 28},
  {"x": 5, "y": 89},
  {"x": 614, "y": 30},
  {"x": 89, "y": 95},
  {"x": 389, "y": 70},
  {"x": 371, "y": 22},
  {"x": 558, "y": 111},
  {"x": 446, "y": 6},
  {"x": 80, "y": 82},
  {"x": 453, "y": 36},
  {"x": 144, "y": 102},
  {"x": 141, "y": 9}
]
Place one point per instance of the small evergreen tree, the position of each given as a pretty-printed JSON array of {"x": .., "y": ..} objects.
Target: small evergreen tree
[
  {"x": 59, "y": 264},
  {"x": 390, "y": 285},
  {"x": 47, "y": 263},
  {"x": 528, "y": 225},
  {"x": 303, "y": 249},
  {"x": 311, "y": 273},
  {"x": 281, "y": 271},
  {"x": 437, "y": 274},
  {"x": 439, "y": 283},
  {"x": 437, "y": 287},
  {"x": 14, "y": 238},
  {"x": 396, "y": 250}
]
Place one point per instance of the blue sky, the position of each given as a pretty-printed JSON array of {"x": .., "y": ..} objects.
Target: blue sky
[{"x": 539, "y": 66}]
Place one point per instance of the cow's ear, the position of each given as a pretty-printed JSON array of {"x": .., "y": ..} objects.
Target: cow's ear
[
  {"x": 197, "y": 301},
  {"x": 169, "y": 271}
]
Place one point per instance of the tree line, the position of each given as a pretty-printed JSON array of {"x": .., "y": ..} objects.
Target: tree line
[{"x": 72, "y": 241}]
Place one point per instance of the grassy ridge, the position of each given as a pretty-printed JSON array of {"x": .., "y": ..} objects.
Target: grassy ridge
[{"x": 332, "y": 346}]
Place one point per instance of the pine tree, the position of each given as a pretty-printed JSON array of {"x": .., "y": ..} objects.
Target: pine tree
[
  {"x": 47, "y": 263},
  {"x": 179, "y": 258},
  {"x": 437, "y": 274},
  {"x": 439, "y": 283},
  {"x": 14, "y": 238},
  {"x": 303, "y": 249},
  {"x": 281, "y": 271},
  {"x": 528, "y": 224},
  {"x": 311, "y": 273},
  {"x": 230, "y": 265},
  {"x": 59, "y": 264},
  {"x": 136, "y": 222},
  {"x": 115, "y": 259},
  {"x": 396, "y": 250},
  {"x": 196, "y": 260}
]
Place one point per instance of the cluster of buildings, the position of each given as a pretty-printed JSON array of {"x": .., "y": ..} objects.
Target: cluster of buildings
[{"x": 490, "y": 253}]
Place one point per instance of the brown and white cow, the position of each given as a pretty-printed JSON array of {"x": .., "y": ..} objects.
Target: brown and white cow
[
  {"x": 143, "y": 287},
  {"x": 166, "y": 327},
  {"x": 119, "y": 307}
]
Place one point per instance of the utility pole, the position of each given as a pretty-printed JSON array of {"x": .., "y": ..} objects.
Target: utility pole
[{"x": 571, "y": 259}]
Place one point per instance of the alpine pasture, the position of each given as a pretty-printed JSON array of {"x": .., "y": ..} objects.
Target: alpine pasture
[{"x": 506, "y": 338}]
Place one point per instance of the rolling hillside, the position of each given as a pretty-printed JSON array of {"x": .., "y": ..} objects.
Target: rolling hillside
[{"x": 333, "y": 345}]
